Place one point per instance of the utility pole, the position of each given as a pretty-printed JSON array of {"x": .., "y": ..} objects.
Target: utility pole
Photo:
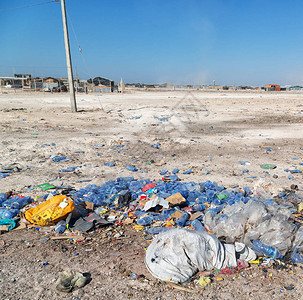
[{"x": 68, "y": 60}]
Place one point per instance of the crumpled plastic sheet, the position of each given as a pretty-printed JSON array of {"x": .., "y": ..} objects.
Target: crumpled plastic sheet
[{"x": 266, "y": 221}]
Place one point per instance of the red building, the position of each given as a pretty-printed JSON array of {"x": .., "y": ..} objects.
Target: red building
[{"x": 272, "y": 87}]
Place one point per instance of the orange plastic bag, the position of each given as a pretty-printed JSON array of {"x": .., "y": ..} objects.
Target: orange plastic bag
[{"x": 51, "y": 211}]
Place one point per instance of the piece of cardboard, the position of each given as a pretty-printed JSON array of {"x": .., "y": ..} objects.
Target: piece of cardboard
[
  {"x": 176, "y": 199},
  {"x": 89, "y": 205},
  {"x": 195, "y": 216},
  {"x": 21, "y": 226},
  {"x": 4, "y": 228},
  {"x": 177, "y": 214}
]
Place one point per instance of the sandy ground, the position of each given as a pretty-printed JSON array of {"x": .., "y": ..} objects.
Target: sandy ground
[{"x": 209, "y": 132}]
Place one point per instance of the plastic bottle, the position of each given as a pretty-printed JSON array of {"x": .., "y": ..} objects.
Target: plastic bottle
[
  {"x": 175, "y": 171},
  {"x": 171, "y": 177},
  {"x": 8, "y": 213},
  {"x": 60, "y": 226},
  {"x": 266, "y": 250},
  {"x": 181, "y": 222},
  {"x": 145, "y": 221},
  {"x": 199, "y": 207},
  {"x": 163, "y": 171},
  {"x": 131, "y": 168},
  {"x": 197, "y": 225},
  {"x": 156, "y": 230},
  {"x": 3, "y": 197},
  {"x": 16, "y": 202},
  {"x": 296, "y": 257}
]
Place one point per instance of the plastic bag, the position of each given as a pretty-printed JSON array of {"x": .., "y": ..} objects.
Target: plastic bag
[
  {"x": 271, "y": 223},
  {"x": 176, "y": 255},
  {"x": 51, "y": 211}
]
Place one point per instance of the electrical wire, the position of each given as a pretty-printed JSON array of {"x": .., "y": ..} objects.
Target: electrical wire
[
  {"x": 80, "y": 49},
  {"x": 42, "y": 3}
]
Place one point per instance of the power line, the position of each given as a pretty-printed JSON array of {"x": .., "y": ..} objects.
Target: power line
[
  {"x": 42, "y": 3},
  {"x": 80, "y": 49}
]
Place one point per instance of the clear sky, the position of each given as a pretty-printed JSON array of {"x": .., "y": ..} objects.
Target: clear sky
[{"x": 235, "y": 42}]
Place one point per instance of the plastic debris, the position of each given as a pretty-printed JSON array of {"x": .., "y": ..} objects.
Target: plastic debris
[{"x": 268, "y": 166}]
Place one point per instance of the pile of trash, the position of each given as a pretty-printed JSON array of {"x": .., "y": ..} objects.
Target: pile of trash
[{"x": 232, "y": 215}]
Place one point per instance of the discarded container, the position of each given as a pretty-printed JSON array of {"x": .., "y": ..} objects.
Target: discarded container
[
  {"x": 258, "y": 246},
  {"x": 197, "y": 225},
  {"x": 181, "y": 222},
  {"x": 175, "y": 171},
  {"x": 145, "y": 221},
  {"x": 109, "y": 164},
  {"x": 131, "y": 168},
  {"x": 8, "y": 213},
  {"x": 16, "y": 202},
  {"x": 163, "y": 171},
  {"x": 3, "y": 197},
  {"x": 60, "y": 226},
  {"x": 296, "y": 257}
]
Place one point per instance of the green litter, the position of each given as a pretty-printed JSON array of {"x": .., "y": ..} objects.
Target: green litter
[
  {"x": 45, "y": 186},
  {"x": 35, "y": 133},
  {"x": 149, "y": 163},
  {"x": 268, "y": 166},
  {"x": 222, "y": 196}
]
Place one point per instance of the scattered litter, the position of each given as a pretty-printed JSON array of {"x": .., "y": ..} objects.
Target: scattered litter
[
  {"x": 70, "y": 279},
  {"x": 109, "y": 164},
  {"x": 46, "y": 186},
  {"x": 268, "y": 166},
  {"x": 131, "y": 168},
  {"x": 156, "y": 200},
  {"x": 51, "y": 211}
]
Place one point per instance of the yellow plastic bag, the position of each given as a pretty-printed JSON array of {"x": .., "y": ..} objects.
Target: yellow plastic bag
[{"x": 51, "y": 211}]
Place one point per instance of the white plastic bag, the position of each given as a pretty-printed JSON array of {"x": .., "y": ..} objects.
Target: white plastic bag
[{"x": 176, "y": 255}]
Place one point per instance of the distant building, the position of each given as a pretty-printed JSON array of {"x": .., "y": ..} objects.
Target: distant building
[
  {"x": 50, "y": 83},
  {"x": 272, "y": 87},
  {"x": 23, "y": 76},
  {"x": 291, "y": 88},
  {"x": 103, "y": 85}
]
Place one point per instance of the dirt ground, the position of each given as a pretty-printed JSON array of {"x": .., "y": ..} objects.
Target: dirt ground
[{"x": 209, "y": 132}]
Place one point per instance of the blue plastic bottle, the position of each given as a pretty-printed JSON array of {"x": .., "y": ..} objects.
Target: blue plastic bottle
[
  {"x": 296, "y": 257},
  {"x": 3, "y": 197},
  {"x": 181, "y": 222},
  {"x": 266, "y": 250},
  {"x": 8, "y": 213},
  {"x": 175, "y": 171},
  {"x": 199, "y": 207},
  {"x": 60, "y": 226},
  {"x": 145, "y": 221},
  {"x": 198, "y": 225}
]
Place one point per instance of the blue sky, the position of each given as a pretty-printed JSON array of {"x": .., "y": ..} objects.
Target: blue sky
[{"x": 235, "y": 42}]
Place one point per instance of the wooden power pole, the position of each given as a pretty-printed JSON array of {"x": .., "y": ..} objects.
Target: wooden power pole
[{"x": 68, "y": 60}]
